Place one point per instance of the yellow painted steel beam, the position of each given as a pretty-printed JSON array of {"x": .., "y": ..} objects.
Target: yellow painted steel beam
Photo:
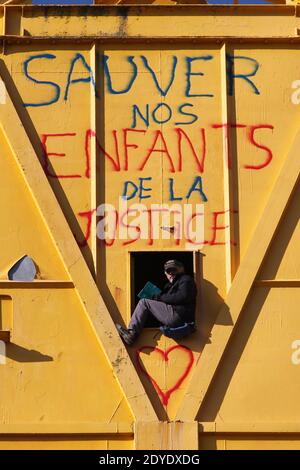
[
  {"x": 27, "y": 159},
  {"x": 210, "y": 359},
  {"x": 66, "y": 428},
  {"x": 166, "y": 436},
  {"x": 273, "y": 428},
  {"x": 229, "y": 178},
  {"x": 124, "y": 21}
]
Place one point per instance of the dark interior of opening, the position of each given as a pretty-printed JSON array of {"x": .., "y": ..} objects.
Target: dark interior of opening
[{"x": 149, "y": 266}]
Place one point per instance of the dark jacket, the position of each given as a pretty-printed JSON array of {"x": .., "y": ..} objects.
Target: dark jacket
[{"x": 181, "y": 294}]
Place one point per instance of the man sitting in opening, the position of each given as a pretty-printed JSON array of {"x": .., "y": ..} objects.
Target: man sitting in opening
[{"x": 173, "y": 307}]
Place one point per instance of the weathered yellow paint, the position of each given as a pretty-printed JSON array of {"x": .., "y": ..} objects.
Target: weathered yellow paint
[
  {"x": 245, "y": 21},
  {"x": 245, "y": 275},
  {"x": 174, "y": 436},
  {"x": 80, "y": 442},
  {"x": 69, "y": 382}
]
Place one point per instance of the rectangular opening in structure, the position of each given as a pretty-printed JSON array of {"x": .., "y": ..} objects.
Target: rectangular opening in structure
[{"x": 149, "y": 266}]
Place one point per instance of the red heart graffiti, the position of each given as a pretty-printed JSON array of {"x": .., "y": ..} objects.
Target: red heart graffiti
[{"x": 165, "y": 396}]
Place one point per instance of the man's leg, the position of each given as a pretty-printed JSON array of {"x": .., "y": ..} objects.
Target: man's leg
[{"x": 164, "y": 313}]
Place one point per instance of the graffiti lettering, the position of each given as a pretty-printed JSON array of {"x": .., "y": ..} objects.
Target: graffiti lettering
[
  {"x": 191, "y": 87},
  {"x": 125, "y": 141},
  {"x": 165, "y": 395}
]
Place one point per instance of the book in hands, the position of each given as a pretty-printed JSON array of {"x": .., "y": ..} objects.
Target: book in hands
[{"x": 148, "y": 291}]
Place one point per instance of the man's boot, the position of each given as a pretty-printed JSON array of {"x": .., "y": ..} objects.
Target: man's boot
[{"x": 128, "y": 336}]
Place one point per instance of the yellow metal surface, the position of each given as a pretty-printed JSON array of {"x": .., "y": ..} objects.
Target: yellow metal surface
[{"x": 167, "y": 104}]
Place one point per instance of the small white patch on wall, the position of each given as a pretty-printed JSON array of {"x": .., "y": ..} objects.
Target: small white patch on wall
[
  {"x": 296, "y": 94},
  {"x": 2, "y": 92},
  {"x": 2, "y": 353},
  {"x": 295, "y": 358}
]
